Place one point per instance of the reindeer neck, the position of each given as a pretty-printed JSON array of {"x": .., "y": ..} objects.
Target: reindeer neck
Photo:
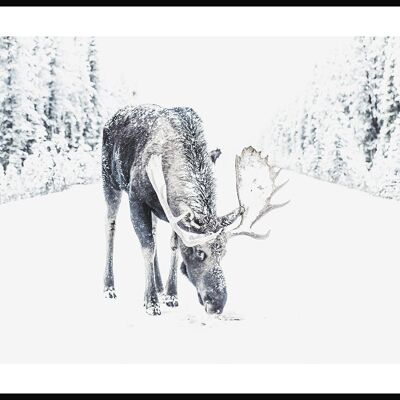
[
  {"x": 187, "y": 164},
  {"x": 191, "y": 185}
]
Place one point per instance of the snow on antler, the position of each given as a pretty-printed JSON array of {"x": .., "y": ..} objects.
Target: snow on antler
[{"x": 255, "y": 186}]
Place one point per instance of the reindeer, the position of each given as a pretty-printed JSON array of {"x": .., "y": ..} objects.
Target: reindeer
[{"x": 159, "y": 157}]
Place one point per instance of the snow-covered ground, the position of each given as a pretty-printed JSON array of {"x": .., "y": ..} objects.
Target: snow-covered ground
[{"x": 325, "y": 287}]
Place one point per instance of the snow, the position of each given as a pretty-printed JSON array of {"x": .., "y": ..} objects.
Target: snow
[{"x": 322, "y": 288}]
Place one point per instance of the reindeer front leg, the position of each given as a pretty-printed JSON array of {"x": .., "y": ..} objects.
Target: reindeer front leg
[
  {"x": 142, "y": 223},
  {"x": 113, "y": 200},
  {"x": 171, "y": 295}
]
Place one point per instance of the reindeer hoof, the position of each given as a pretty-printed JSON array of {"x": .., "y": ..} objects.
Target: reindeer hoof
[
  {"x": 153, "y": 309},
  {"x": 152, "y": 305},
  {"x": 171, "y": 301},
  {"x": 109, "y": 293}
]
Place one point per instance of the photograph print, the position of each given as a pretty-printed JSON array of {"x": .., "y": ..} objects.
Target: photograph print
[{"x": 199, "y": 200}]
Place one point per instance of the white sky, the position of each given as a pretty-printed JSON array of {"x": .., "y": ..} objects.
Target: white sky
[{"x": 235, "y": 84}]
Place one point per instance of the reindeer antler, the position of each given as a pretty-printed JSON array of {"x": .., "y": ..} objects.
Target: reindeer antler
[{"x": 255, "y": 187}]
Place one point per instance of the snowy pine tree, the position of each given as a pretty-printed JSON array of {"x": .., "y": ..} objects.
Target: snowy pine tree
[
  {"x": 93, "y": 128},
  {"x": 368, "y": 67},
  {"x": 9, "y": 52}
]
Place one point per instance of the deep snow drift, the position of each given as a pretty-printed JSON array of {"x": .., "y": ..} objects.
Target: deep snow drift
[{"x": 323, "y": 288}]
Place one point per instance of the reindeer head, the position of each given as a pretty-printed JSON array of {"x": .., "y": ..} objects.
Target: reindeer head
[
  {"x": 202, "y": 266},
  {"x": 203, "y": 243}
]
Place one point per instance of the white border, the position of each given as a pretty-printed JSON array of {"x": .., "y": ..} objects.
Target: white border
[
  {"x": 208, "y": 22},
  {"x": 201, "y": 378},
  {"x": 199, "y": 21}
]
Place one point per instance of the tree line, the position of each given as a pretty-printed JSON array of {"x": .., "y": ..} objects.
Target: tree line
[
  {"x": 346, "y": 128},
  {"x": 53, "y": 104}
]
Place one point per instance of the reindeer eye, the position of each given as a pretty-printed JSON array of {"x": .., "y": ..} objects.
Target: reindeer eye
[{"x": 200, "y": 255}]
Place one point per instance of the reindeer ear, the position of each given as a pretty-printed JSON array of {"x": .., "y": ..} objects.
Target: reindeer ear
[
  {"x": 184, "y": 270},
  {"x": 214, "y": 155}
]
